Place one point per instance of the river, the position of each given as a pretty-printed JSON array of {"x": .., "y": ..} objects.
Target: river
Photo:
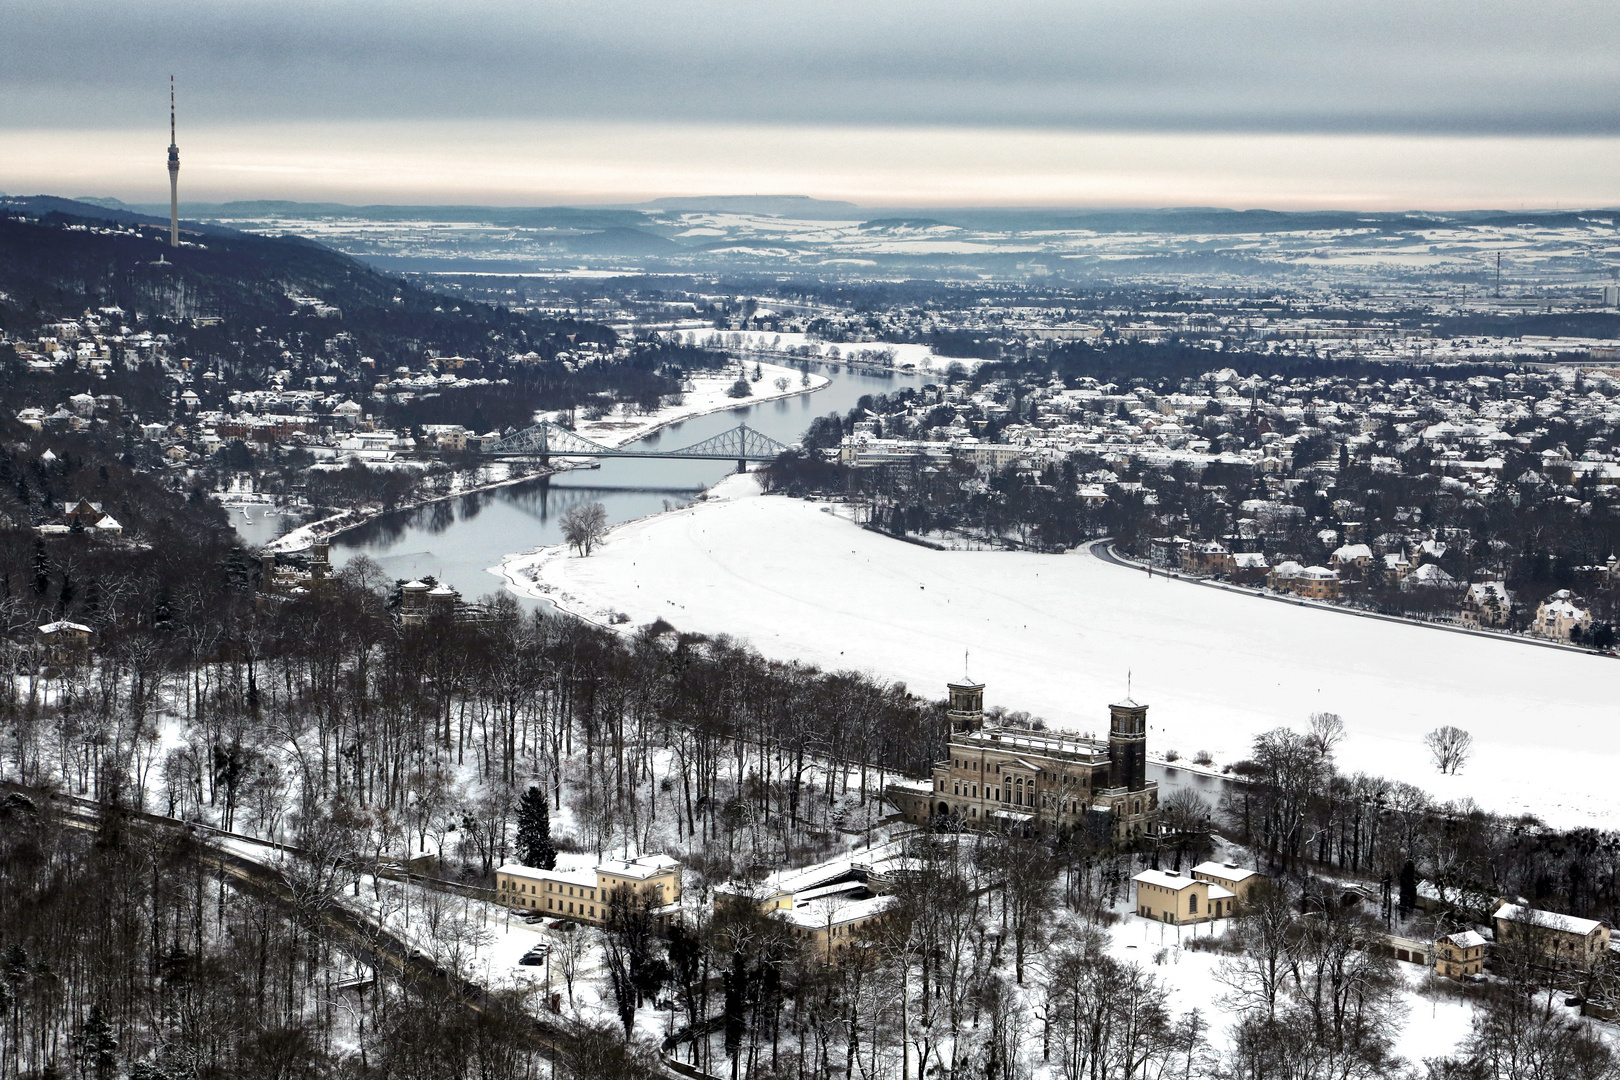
[{"x": 458, "y": 540}]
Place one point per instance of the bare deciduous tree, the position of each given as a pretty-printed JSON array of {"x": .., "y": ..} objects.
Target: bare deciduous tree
[
  {"x": 1327, "y": 732},
  {"x": 1449, "y": 748},
  {"x": 583, "y": 525}
]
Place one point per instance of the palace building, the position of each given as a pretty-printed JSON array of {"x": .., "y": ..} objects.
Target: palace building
[{"x": 1039, "y": 781}]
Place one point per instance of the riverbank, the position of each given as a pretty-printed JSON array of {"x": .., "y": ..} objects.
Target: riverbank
[
  {"x": 1105, "y": 550},
  {"x": 708, "y": 395},
  {"x": 1059, "y": 635}
]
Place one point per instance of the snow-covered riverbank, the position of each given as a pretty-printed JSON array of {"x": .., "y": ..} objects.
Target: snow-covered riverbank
[
  {"x": 707, "y": 395},
  {"x": 1059, "y": 635}
]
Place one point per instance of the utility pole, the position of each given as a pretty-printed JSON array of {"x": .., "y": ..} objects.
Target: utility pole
[{"x": 1499, "y": 275}]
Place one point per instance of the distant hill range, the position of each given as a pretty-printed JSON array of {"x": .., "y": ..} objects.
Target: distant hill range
[
  {"x": 788, "y": 206},
  {"x": 609, "y": 219},
  {"x": 535, "y": 217},
  {"x": 1183, "y": 221},
  {"x": 61, "y": 256}
]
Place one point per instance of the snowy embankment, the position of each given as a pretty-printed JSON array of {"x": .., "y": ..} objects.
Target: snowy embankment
[
  {"x": 1059, "y": 635},
  {"x": 708, "y": 395},
  {"x": 883, "y": 353}
]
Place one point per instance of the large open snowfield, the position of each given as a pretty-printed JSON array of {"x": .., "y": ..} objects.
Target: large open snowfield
[{"x": 1059, "y": 635}]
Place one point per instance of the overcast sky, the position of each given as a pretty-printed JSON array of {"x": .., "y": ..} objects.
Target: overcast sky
[{"x": 1370, "y": 103}]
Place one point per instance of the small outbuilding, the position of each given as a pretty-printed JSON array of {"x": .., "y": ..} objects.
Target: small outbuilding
[{"x": 1180, "y": 899}]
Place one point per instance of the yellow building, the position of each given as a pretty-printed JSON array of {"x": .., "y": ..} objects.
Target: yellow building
[
  {"x": 1172, "y": 897},
  {"x": 1241, "y": 883},
  {"x": 1563, "y": 940},
  {"x": 1558, "y": 617},
  {"x": 827, "y": 924},
  {"x": 1310, "y": 582},
  {"x": 1459, "y": 955},
  {"x": 584, "y": 895}
]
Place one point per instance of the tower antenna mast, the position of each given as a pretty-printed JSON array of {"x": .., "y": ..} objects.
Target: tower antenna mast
[{"x": 174, "y": 175}]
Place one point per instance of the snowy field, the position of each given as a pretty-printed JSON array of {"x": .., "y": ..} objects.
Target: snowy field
[{"x": 1059, "y": 635}]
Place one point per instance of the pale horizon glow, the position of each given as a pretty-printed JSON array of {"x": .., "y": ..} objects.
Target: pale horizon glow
[{"x": 536, "y": 163}]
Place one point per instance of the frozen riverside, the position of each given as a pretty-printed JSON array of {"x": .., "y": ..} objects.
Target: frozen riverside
[{"x": 1055, "y": 633}]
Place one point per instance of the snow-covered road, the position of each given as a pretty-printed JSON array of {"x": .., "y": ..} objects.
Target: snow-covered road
[{"x": 1058, "y": 635}]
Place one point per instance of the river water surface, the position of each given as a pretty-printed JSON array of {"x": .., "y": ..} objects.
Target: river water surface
[{"x": 458, "y": 540}]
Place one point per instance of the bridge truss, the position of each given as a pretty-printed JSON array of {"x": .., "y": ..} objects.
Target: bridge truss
[{"x": 546, "y": 440}]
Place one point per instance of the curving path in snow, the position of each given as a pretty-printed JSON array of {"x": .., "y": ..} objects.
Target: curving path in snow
[{"x": 1057, "y": 635}]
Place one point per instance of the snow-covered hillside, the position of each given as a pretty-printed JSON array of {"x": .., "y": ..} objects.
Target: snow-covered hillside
[{"x": 1059, "y": 635}]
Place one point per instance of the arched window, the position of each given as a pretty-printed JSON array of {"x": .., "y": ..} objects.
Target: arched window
[{"x": 1192, "y": 903}]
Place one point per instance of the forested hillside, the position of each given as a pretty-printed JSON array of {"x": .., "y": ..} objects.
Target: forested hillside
[{"x": 56, "y": 265}]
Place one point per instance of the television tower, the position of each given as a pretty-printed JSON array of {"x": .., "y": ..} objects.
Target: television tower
[{"x": 174, "y": 175}]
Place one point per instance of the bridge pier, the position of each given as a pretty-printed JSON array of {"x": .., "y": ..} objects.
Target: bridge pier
[{"x": 742, "y": 466}]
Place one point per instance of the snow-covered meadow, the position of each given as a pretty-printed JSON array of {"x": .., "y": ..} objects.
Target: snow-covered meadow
[{"x": 1060, "y": 636}]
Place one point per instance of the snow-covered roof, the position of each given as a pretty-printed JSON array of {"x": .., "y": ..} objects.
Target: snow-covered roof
[
  {"x": 1430, "y": 574},
  {"x": 1466, "y": 939},
  {"x": 1225, "y": 872},
  {"x": 812, "y": 915},
  {"x": 582, "y": 877},
  {"x": 1547, "y": 920},
  {"x": 1482, "y": 592},
  {"x": 645, "y": 866},
  {"x": 1166, "y": 879}
]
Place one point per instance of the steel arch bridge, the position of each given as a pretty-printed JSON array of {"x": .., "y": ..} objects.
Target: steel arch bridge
[{"x": 546, "y": 440}]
